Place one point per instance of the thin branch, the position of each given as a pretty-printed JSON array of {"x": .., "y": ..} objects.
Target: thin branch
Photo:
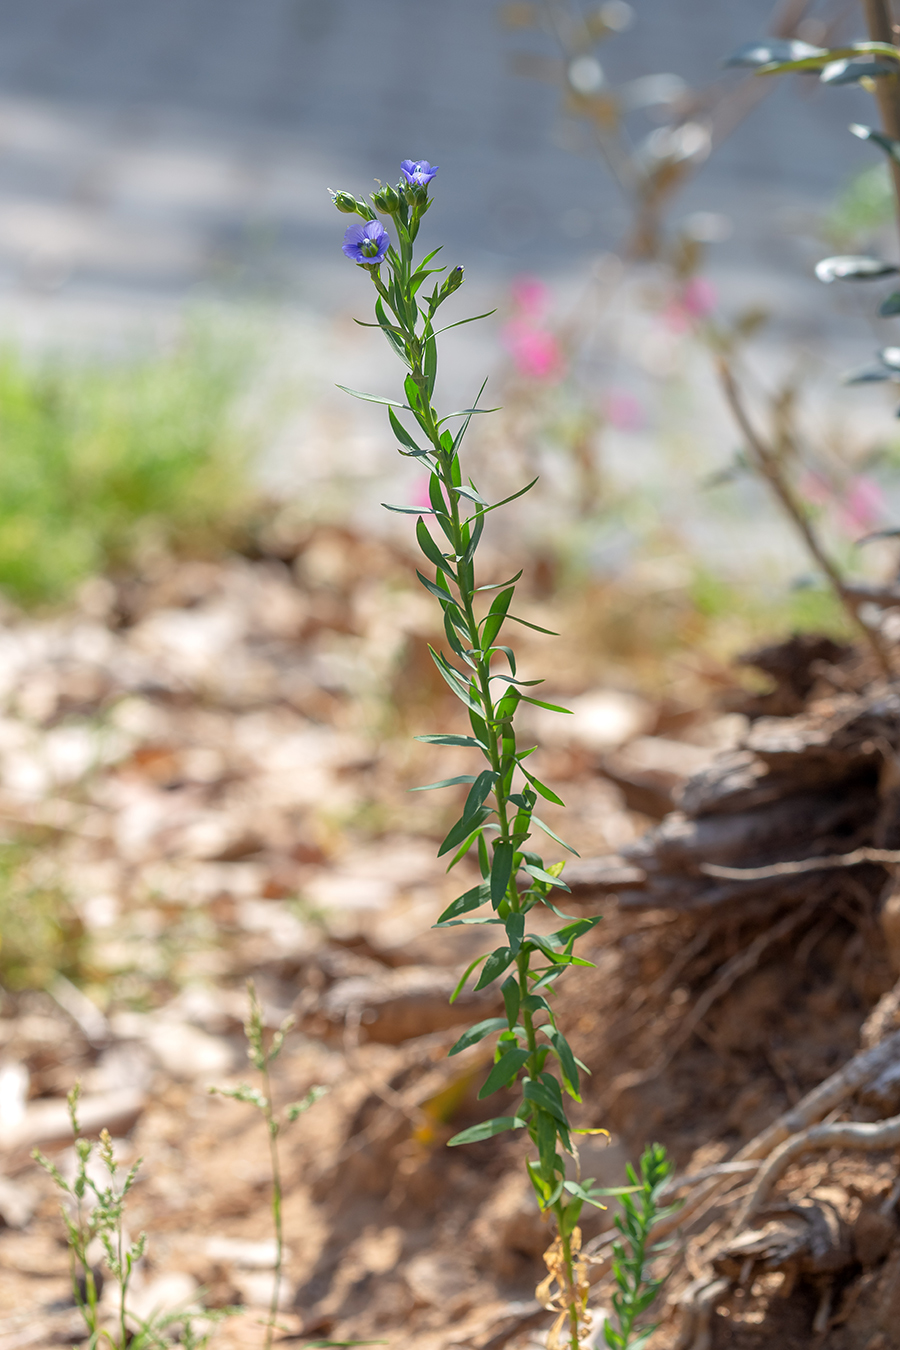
[
  {"x": 887, "y": 857},
  {"x": 887, "y": 87},
  {"x": 768, "y": 466}
]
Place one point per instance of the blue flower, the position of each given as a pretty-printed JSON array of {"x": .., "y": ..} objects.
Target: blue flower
[
  {"x": 418, "y": 172},
  {"x": 366, "y": 244}
]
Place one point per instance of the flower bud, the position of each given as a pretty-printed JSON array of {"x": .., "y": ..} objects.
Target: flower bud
[
  {"x": 417, "y": 195},
  {"x": 386, "y": 199},
  {"x": 352, "y": 206},
  {"x": 452, "y": 282}
]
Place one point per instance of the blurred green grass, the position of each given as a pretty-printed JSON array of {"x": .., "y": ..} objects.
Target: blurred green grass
[{"x": 99, "y": 459}]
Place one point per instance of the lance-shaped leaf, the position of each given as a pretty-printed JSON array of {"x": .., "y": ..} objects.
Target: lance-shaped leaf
[
  {"x": 547, "y": 793},
  {"x": 403, "y": 435},
  {"x": 535, "y": 626},
  {"x": 501, "y": 871},
  {"x": 890, "y": 306},
  {"x": 766, "y": 50},
  {"x": 511, "y": 999},
  {"x": 853, "y": 69},
  {"x": 455, "y": 682},
  {"x": 853, "y": 267},
  {"x": 547, "y": 830},
  {"x": 890, "y": 147},
  {"x": 543, "y": 1096},
  {"x": 373, "y": 398},
  {"x": 824, "y": 58},
  {"x": 408, "y": 510},
  {"x": 540, "y": 875},
  {"x": 504, "y": 1072},
  {"x": 465, "y": 903},
  {"x": 445, "y": 782},
  {"x": 486, "y": 1130},
  {"x": 496, "y": 615},
  {"x": 869, "y": 375},
  {"x": 563, "y": 1052},
  {"x": 477, "y": 1033},
  {"x": 431, "y": 550},
  {"x": 451, "y": 740},
  {"x": 494, "y": 966},
  {"x": 462, "y": 829}
]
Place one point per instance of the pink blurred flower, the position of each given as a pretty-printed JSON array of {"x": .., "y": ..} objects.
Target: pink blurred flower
[
  {"x": 530, "y": 295},
  {"x": 863, "y": 506},
  {"x": 699, "y": 297},
  {"x": 623, "y": 411},
  {"x": 422, "y": 496},
  {"x": 535, "y": 351},
  {"x": 696, "y": 299}
]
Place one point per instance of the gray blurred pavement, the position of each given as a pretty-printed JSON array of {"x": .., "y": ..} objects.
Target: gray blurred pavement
[{"x": 148, "y": 150}]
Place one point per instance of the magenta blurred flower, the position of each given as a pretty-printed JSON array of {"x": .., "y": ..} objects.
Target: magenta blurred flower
[
  {"x": 623, "y": 411},
  {"x": 863, "y": 506},
  {"x": 529, "y": 295},
  {"x": 366, "y": 244},
  {"x": 699, "y": 297},
  {"x": 418, "y": 172},
  {"x": 535, "y": 351},
  {"x": 696, "y": 299}
]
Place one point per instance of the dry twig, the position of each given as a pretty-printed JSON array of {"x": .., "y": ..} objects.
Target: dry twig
[{"x": 886, "y": 857}]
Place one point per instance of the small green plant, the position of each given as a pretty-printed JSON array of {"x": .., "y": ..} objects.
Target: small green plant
[
  {"x": 262, "y": 1056},
  {"x": 93, "y": 1212},
  {"x": 636, "y": 1286},
  {"x": 499, "y": 814},
  {"x": 100, "y": 459}
]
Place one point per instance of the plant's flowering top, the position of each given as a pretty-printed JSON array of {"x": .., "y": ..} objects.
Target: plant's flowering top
[
  {"x": 366, "y": 244},
  {"x": 418, "y": 172}
]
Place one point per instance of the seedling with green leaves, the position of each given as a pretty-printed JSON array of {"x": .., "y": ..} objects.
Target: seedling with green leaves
[
  {"x": 262, "y": 1057},
  {"x": 637, "y": 1287},
  {"x": 92, "y": 1213}
]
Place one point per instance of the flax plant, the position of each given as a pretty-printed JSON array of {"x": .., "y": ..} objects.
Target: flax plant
[{"x": 499, "y": 813}]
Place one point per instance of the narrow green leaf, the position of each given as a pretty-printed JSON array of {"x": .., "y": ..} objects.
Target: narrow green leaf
[
  {"x": 477, "y": 1033},
  {"x": 504, "y": 1072},
  {"x": 471, "y": 495},
  {"x": 431, "y": 550},
  {"x": 445, "y": 782},
  {"x": 460, "y": 322},
  {"x": 540, "y": 875},
  {"x": 547, "y": 793},
  {"x": 451, "y": 740},
  {"x": 465, "y": 903},
  {"x": 465, "y": 975},
  {"x": 486, "y": 1130},
  {"x": 511, "y": 999},
  {"x": 563, "y": 1052},
  {"x": 439, "y": 592},
  {"x": 550, "y": 707},
  {"x": 515, "y": 930},
  {"x": 481, "y": 786},
  {"x": 501, "y": 871},
  {"x": 541, "y": 1093},
  {"x": 401, "y": 433},
  {"x": 373, "y": 398},
  {"x": 494, "y": 966},
  {"x": 535, "y": 626},
  {"x": 408, "y": 510},
  {"x": 462, "y": 829}
]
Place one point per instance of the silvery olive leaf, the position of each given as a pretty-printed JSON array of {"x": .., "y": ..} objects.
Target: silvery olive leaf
[
  {"x": 869, "y": 375},
  {"x": 890, "y": 147},
  {"x": 851, "y": 70},
  {"x": 766, "y": 50},
  {"x": 853, "y": 267}
]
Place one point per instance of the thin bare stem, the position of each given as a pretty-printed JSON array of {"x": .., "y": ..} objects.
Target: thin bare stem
[
  {"x": 887, "y": 87},
  {"x": 767, "y": 464}
]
